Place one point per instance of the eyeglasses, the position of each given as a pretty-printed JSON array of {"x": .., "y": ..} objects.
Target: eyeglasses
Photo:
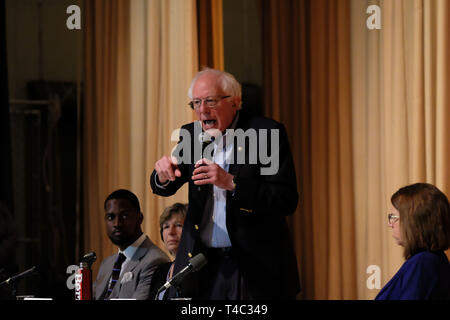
[
  {"x": 210, "y": 102},
  {"x": 392, "y": 218}
]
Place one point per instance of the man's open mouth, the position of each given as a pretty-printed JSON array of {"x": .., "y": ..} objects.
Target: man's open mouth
[{"x": 209, "y": 122}]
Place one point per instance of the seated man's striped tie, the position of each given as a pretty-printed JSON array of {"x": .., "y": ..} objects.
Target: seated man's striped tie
[{"x": 115, "y": 273}]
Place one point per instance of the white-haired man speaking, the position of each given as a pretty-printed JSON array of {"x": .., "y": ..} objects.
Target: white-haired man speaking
[{"x": 236, "y": 214}]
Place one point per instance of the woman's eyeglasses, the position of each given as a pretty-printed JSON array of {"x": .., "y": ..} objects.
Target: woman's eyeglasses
[{"x": 392, "y": 218}]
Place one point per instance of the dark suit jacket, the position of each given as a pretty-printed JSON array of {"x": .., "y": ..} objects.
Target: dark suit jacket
[
  {"x": 255, "y": 216},
  {"x": 159, "y": 279},
  {"x": 134, "y": 281}
]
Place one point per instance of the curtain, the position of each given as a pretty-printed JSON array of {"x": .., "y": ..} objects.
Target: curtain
[
  {"x": 366, "y": 112},
  {"x": 210, "y": 34},
  {"x": 308, "y": 88},
  {"x": 163, "y": 63},
  {"x": 400, "y": 109},
  {"x": 106, "y": 135},
  {"x": 140, "y": 57}
]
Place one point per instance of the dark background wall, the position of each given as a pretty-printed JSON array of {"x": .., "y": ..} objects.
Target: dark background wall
[{"x": 44, "y": 62}]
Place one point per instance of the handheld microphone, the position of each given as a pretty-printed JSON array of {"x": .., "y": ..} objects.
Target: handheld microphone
[
  {"x": 205, "y": 139},
  {"x": 195, "y": 264}
]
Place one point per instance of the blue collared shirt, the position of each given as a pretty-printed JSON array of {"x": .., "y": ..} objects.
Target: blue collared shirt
[
  {"x": 215, "y": 233},
  {"x": 131, "y": 250}
]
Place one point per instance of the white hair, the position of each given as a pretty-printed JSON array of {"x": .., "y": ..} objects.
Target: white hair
[{"x": 228, "y": 82}]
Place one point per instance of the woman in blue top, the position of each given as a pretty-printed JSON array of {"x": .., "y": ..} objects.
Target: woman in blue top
[
  {"x": 420, "y": 222},
  {"x": 171, "y": 224}
]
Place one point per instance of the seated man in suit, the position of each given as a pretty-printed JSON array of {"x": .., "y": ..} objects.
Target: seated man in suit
[{"x": 128, "y": 273}]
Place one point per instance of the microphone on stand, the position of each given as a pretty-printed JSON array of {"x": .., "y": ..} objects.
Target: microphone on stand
[
  {"x": 195, "y": 264},
  {"x": 89, "y": 258},
  {"x": 19, "y": 276}
]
